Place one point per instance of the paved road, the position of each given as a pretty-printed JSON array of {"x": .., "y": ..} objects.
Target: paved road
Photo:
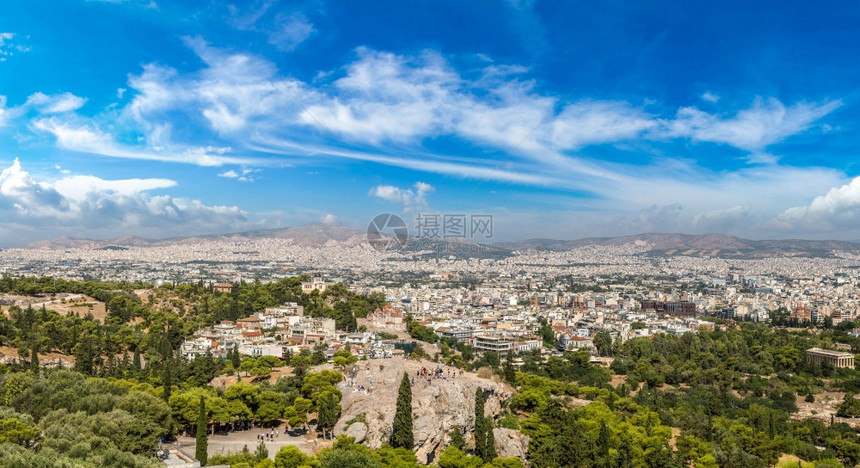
[{"x": 235, "y": 441}]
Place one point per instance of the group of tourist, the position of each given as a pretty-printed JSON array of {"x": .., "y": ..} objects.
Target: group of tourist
[
  {"x": 271, "y": 435},
  {"x": 437, "y": 373}
]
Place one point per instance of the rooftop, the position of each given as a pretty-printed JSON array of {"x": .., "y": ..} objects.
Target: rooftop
[{"x": 828, "y": 352}]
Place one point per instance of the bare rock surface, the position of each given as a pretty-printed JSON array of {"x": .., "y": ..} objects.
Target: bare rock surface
[
  {"x": 511, "y": 443},
  {"x": 358, "y": 431},
  {"x": 437, "y": 407}
]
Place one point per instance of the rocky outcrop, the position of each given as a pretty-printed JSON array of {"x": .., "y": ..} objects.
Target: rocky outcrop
[
  {"x": 437, "y": 407},
  {"x": 511, "y": 443},
  {"x": 358, "y": 431}
]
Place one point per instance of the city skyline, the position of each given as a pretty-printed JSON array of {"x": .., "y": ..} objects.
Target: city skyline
[{"x": 561, "y": 121}]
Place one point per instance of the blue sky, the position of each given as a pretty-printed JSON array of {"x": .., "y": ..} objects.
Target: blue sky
[{"x": 561, "y": 119}]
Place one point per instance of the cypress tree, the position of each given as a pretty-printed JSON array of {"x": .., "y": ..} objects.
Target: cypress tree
[
  {"x": 34, "y": 360},
  {"x": 402, "y": 435},
  {"x": 625, "y": 454},
  {"x": 84, "y": 355},
  {"x": 480, "y": 425},
  {"x": 490, "y": 440},
  {"x": 509, "y": 372},
  {"x": 235, "y": 358},
  {"x": 201, "y": 453},
  {"x": 135, "y": 361},
  {"x": 167, "y": 375},
  {"x": 603, "y": 442}
]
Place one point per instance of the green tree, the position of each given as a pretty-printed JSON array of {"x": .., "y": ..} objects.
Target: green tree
[
  {"x": 167, "y": 372},
  {"x": 625, "y": 454},
  {"x": 340, "y": 458},
  {"x": 297, "y": 413},
  {"x": 453, "y": 457},
  {"x": 850, "y": 407},
  {"x": 271, "y": 406},
  {"x": 84, "y": 354},
  {"x": 34, "y": 360},
  {"x": 261, "y": 453},
  {"x": 135, "y": 361},
  {"x": 402, "y": 435},
  {"x": 456, "y": 439},
  {"x": 328, "y": 411},
  {"x": 509, "y": 372},
  {"x": 201, "y": 452},
  {"x": 603, "y": 343},
  {"x": 480, "y": 426},
  {"x": 17, "y": 432},
  {"x": 235, "y": 357},
  {"x": 290, "y": 457},
  {"x": 491, "y": 440},
  {"x": 603, "y": 444}
]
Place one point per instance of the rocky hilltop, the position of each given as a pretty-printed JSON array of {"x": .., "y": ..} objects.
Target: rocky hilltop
[{"x": 437, "y": 407}]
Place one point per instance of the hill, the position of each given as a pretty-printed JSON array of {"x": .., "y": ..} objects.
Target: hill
[
  {"x": 706, "y": 245},
  {"x": 652, "y": 244}
]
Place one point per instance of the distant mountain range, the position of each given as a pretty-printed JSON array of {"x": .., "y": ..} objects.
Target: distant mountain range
[
  {"x": 705, "y": 245},
  {"x": 655, "y": 244},
  {"x": 311, "y": 235}
]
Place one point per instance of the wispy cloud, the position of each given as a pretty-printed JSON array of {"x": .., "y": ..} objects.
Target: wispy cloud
[
  {"x": 768, "y": 121},
  {"x": 384, "y": 105},
  {"x": 285, "y": 30},
  {"x": 389, "y": 109},
  {"x": 288, "y": 31},
  {"x": 243, "y": 175},
  {"x": 149, "y": 4},
  {"x": 88, "y": 140},
  {"x": 9, "y": 46},
  {"x": 56, "y": 104}
]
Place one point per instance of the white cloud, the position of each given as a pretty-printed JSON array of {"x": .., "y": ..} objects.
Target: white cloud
[
  {"x": 288, "y": 31},
  {"x": 387, "y": 108},
  {"x": 8, "y": 48},
  {"x": 768, "y": 121},
  {"x": 710, "y": 97},
  {"x": 79, "y": 187},
  {"x": 837, "y": 210},
  {"x": 91, "y": 206},
  {"x": 329, "y": 219},
  {"x": 284, "y": 30},
  {"x": 245, "y": 175},
  {"x": 592, "y": 122},
  {"x": 55, "y": 104},
  {"x": 722, "y": 219},
  {"x": 665, "y": 218},
  {"x": 410, "y": 199},
  {"x": 148, "y": 4},
  {"x": 89, "y": 140},
  {"x": 4, "y": 112},
  {"x": 386, "y": 104}
]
